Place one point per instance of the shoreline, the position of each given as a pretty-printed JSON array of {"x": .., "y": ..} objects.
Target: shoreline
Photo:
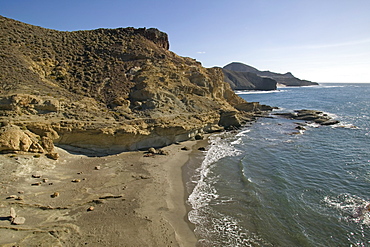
[
  {"x": 189, "y": 170},
  {"x": 135, "y": 200},
  {"x": 176, "y": 209}
]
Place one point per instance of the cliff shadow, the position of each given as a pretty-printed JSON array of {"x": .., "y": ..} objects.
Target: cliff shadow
[{"x": 95, "y": 152}]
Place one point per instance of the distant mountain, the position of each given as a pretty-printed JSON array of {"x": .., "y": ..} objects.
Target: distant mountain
[
  {"x": 286, "y": 79},
  {"x": 248, "y": 81}
]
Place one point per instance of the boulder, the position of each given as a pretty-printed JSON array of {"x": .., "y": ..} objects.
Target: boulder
[
  {"x": 47, "y": 144},
  {"x": 299, "y": 127},
  {"x": 54, "y": 195},
  {"x": 229, "y": 119},
  {"x": 13, "y": 139},
  {"x": 53, "y": 156},
  {"x": 18, "y": 221},
  {"x": 13, "y": 214},
  {"x": 163, "y": 152},
  {"x": 199, "y": 137}
]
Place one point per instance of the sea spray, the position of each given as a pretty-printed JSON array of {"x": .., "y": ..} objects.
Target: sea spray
[{"x": 212, "y": 227}]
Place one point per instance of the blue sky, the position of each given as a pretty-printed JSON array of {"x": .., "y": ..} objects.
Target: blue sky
[{"x": 317, "y": 40}]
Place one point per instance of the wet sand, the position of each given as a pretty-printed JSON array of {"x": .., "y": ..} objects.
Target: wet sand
[{"x": 119, "y": 200}]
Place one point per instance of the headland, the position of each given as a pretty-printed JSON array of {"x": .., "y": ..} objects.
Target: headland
[{"x": 72, "y": 104}]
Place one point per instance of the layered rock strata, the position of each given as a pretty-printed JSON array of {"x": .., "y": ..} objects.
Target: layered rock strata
[{"x": 110, "y": 89}]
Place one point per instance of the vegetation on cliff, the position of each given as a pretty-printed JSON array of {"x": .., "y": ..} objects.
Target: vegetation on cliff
[{"x": 118, "y": 89}]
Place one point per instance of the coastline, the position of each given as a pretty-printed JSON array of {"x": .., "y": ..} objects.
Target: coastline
[
  {"x": 169, "y": 175},
  {"x": 119, "y": 200}
]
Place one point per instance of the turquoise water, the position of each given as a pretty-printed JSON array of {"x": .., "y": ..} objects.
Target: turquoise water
[{"x": 264, "y": 186}]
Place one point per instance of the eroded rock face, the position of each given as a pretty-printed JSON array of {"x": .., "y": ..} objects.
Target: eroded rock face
[
  {"x": 158, "y": 37},
  {"x": 14, "y": 139},
  {"x": 116, "y": 89},
  {"x": 230, "y": 119},
  {"x": 28, "y": 104}
]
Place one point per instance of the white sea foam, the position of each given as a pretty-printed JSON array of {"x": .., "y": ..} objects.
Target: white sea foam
[
  {"x": 332, "y": 115},
  {"x": 237, "y": 141},
  {"x": 345, "y": 125},
  {"x": 212, "y": 227},
  {"x": 243, "y": 133},
  {"x": 332, "y": 85},
  {"x": 218, "y": 229},
  {"x": 351, "y": 208},
  {"x": 204, "y": 191},
  {"x": 313, "y": 125}
]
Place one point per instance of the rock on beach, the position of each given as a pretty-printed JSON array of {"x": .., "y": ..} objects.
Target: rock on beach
[{"x": 16, "y": 220}]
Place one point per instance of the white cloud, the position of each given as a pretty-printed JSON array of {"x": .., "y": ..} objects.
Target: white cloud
[{"x": 201, "y": 52}]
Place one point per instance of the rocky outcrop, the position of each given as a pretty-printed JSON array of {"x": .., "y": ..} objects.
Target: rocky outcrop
[
  {"x": 28, "y": 104},
  {"x": 248, "y": 81},
  {"x": 14, "y": 139},
  {"x": 110, "y": 89},
  {"x": 286, "y": 79},
  {"x": 314, "y": 116},
  {"x": 158, "y": 37}
]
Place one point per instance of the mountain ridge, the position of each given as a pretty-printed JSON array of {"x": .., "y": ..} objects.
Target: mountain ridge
[
  {"x": 248, "y": 81},
  {"x": 286, "y": 79}
]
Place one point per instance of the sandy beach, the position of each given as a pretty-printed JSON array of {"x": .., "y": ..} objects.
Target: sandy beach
[{"x": 127, "y": 199}]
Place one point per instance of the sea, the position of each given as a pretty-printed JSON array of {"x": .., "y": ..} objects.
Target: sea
[{"x": 269, "y": 184}]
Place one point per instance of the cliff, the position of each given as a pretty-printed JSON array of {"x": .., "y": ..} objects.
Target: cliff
[
  {"x": 108, "y": 89},
  {"x": 248, "y": 81},
  {"x": 286, "y": 79}
]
